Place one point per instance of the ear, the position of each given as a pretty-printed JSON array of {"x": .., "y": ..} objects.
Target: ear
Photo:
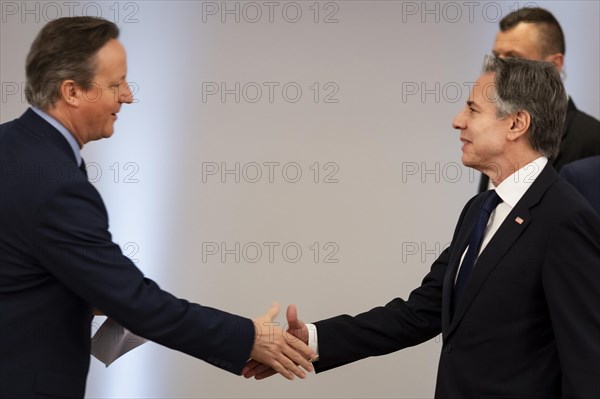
[
  {"x": 557, "y": 59},
  {"x": 70, "y": 93},
  {"x": 520, "y": 123}
]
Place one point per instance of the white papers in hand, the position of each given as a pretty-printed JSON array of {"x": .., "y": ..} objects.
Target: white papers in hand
[{"x": 112, "y": 341}]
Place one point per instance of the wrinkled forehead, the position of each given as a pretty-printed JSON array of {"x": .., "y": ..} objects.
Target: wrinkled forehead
[
  {"x": 520, "y": 41},
  {"x": 111, "y": 59},
  {"x": 483, "y": 90}
]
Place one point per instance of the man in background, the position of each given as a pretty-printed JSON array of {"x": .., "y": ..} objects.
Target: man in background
[
  {"x": 534, "y": 34},
  {"x": 57, "y": 258}
]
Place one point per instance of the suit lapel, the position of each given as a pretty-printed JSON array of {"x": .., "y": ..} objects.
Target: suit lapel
[
  {"x": 509, "y": 232},
  {"x": 462, "y": 240}
]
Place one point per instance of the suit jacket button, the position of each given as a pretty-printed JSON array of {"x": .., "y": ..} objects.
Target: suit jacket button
[{"x": 448, "y": 348}]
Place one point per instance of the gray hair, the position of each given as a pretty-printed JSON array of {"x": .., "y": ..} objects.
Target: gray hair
[
  {"x": 536, "y": 88},
  {"x": 65, "y": 49}
]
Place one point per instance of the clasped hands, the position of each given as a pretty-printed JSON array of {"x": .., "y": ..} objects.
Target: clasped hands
[{"x": 277, "y": 351}]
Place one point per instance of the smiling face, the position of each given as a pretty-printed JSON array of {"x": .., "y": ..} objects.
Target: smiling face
[
  {"x": 483, "y": 134},
  {"x": 98, "y": 106}
]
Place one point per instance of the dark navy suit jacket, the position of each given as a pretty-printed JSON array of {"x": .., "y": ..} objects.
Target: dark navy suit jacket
[
  {"x": 584, "y": 175},
  {"x": 57, "y": 261},
  {"x": 528, "y": 322}
]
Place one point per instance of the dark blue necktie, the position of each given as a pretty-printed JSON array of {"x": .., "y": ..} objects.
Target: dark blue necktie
[{"x": 490, "y": 202}]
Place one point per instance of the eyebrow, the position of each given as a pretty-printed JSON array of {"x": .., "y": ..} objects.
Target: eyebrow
[
  {"x": 471, "y": 103},
  {"x": 514, "y": 54},
  {"x": 510, "y": 54}
]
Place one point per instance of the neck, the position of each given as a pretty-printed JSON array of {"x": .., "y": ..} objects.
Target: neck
[
  {"x": 62, "y": 116},
  {"x": 499, "y": 171}
]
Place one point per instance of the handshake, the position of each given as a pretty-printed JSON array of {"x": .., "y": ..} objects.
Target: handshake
[{"x": 278, "y": 351}]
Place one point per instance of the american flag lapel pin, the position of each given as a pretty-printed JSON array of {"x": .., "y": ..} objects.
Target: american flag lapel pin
[{"x": 519, "y": 220}]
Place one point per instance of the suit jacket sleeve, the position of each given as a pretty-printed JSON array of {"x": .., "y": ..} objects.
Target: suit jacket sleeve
[
  {"x": 399, "y": 324},
  {"x": 71, "y": 232}
]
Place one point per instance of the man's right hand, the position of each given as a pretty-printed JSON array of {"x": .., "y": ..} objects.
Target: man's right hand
[{"x": 296, "y": 332}]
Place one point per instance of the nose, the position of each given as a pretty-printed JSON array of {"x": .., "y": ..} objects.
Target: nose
[
  {"x": 126, "y": 95},
  {"x": 459, "y": 120}
]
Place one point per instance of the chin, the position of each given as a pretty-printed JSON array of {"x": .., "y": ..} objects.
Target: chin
[
  {"x": 465, "y": 161},
  {"x": 470, "y": 164},
  {"x": 108, "y": 134}
]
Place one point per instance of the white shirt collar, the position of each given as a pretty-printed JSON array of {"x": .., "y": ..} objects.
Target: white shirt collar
[
  {"x": 514, "y": 186},
  {"x": 63, "y": 130}
]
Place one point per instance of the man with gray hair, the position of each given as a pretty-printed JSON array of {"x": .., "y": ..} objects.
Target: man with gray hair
[
  {"x": 533, "y": 33},
  {"x": 516, "y": 294}
]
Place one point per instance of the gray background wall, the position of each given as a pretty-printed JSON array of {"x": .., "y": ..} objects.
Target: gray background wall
[{"x": 335, "y": 150}]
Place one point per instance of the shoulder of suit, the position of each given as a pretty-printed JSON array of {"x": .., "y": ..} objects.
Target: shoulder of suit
[
  {"x": 561, "y": 193},
  {"x": 585, "y": 165},
  {"x": 582, "y": 119}
]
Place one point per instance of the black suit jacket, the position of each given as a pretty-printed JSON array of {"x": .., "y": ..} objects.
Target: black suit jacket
[
  {"x": 57, "y": 260},
  {"x": 584, "y": 175},
  {"x": 581, "y": 139},
  {"x": 528, "y": 322}
]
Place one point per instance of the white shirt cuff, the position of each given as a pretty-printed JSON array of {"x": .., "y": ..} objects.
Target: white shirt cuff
[{"x": 313, "y": 339}]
